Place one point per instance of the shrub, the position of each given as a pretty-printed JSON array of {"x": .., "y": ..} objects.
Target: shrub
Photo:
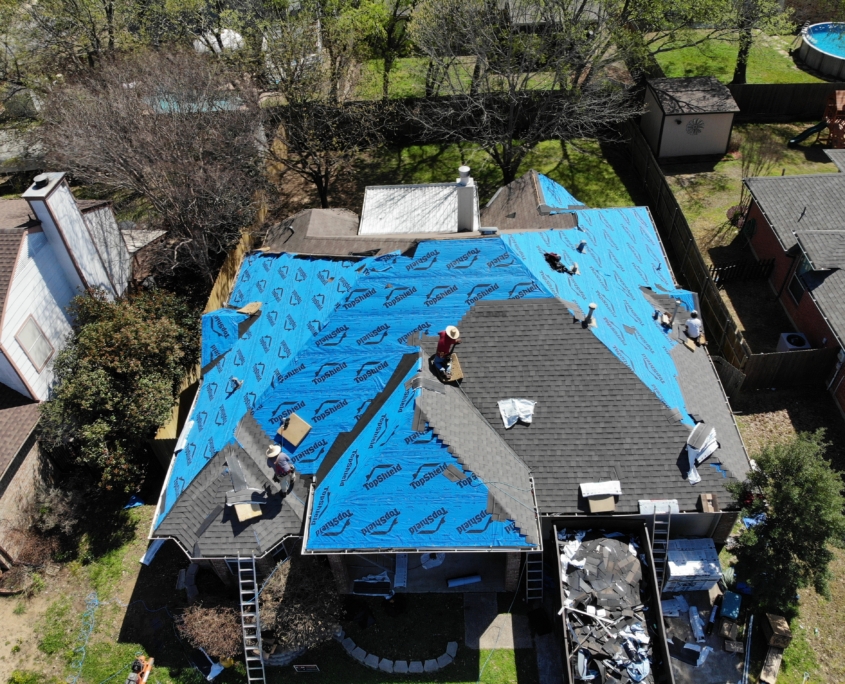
[{"x": 215, "y": 629}]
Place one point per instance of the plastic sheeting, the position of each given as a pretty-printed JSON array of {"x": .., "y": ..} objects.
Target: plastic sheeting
[
  {"x": 622, "y": 253},
  {"x": 391, "y": 489}
]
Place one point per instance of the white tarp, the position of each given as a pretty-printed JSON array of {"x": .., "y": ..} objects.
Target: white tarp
[
  {"x": 513, "y": 410},
  {"x": 609, "y": 488}
]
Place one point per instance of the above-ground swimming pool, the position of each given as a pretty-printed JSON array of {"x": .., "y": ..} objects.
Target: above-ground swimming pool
[{"x": 823, "y": 48}]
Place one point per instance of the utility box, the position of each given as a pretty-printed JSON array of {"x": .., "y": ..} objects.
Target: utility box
[{"x": 688, "y": 117}]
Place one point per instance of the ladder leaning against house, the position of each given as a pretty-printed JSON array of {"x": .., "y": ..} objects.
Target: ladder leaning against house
[
  {"x": 533, "y": 575},
  {"x": 250, "y": 619},
  {"x": 660, "y": 542}
]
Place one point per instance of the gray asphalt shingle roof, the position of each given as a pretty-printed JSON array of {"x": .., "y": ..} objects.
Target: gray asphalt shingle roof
[
  {"x": 798, "y": 203},
  {"x": 594, "y": 419},
  {"x": 514, "y": 207},
  {"x": 696, "y": 95}
]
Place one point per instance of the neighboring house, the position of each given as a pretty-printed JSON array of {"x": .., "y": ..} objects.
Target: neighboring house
[
  {"x": 798, "y": 222},
  {"x": 688, "y": 117},
  {"x": 20, "y": 473},
  {"x": 51, "y": 249},
  {"x": 416, "y": 482}
]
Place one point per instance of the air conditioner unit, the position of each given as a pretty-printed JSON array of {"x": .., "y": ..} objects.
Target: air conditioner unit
[{"x": 792, "y": 341}]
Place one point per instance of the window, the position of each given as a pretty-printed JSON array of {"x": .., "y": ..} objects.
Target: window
[
  {"x": 35, "y": 344},
  {"x": 796, "y": 285}
]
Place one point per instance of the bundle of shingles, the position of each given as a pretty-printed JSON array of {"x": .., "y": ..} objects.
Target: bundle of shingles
[{"x": 604, "y": 608}]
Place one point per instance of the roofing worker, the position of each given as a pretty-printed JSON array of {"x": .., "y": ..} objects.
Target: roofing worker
[
  {"x": 449, "y": 339},
  {"x": 283, "y": 467},
  {"x": 694, "y": 327}
]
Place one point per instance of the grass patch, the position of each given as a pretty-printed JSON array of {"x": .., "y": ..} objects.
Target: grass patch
[
  {"x": 30, "y": 677},
  {"x": 767, "y": 63},
  {"x": 586, "y": 168},
  {"x": 57, "y": 627},
  {"x": 798, "y": 659}
]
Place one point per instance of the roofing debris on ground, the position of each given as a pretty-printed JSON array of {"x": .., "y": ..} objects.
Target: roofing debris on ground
[{"x": 605, "y": 607}]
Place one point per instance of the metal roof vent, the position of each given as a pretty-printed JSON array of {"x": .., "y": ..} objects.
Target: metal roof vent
[
  {"x": 40, "y": 181},
  {"x": 463, "y": 172}
]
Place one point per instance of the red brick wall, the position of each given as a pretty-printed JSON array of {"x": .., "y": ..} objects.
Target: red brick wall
[{"x": 805, "y": 315}]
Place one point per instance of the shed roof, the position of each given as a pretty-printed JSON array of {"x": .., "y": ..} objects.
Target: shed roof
[{"x": 695, "y": 95}]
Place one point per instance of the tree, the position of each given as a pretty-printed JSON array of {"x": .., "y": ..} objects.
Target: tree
[
  {"x": 317, "y": 135},
  {"x": 389, "y": 39},
  {"x": 116, "y": 382},
  {"x": 519, "y": 72},
  {"x": 801, "y": 498},
  {"x": 750, "y": 16},
  {"x": 179, "y": 132}
]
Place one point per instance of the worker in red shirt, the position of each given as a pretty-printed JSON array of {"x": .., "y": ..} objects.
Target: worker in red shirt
[{"x": 449, "y": 339}]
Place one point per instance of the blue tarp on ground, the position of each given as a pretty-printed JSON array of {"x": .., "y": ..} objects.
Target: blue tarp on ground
[
  {"x": 389, "y": 491},
  {"x": 331, "y": 332}
]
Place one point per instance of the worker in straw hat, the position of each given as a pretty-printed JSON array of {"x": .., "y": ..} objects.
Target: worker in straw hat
[{"x": 449, "y": 339}]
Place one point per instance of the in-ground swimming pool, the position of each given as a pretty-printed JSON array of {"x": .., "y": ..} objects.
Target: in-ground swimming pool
[{"x": 823, "y": 48}]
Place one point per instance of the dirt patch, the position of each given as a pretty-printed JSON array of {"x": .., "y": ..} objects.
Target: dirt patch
[
  {"x": 758, "y": 315},
  {"x": 769, "y": 416}
]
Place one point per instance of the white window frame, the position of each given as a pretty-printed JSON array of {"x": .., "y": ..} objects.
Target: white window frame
[{"x": 26, "y": 351}]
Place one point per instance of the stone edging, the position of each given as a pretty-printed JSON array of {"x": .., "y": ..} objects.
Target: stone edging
[{"x": 396, "y": 666}]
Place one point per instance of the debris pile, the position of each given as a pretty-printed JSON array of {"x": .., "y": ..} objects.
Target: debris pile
[{"x": 605, "y": 607}]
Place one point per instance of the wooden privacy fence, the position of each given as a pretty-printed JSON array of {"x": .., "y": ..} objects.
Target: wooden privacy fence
[
  {"x": 782, "y": 101},
  {"x": 724, "y": 338},
  {"x": 746, "y": 269},
  {"x": 800, "y": 368}
]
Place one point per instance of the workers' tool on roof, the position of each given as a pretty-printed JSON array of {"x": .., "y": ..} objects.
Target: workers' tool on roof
[
  {"x": 701, "y": 443},
  {"x": 605, "y": 607},
  {"x": 250, "y": 309},
  {"x": 601, "y": 496},
  {"x": 514, "y": 410},
  {"x": 448, "y": 340},
  {"x": 294, "y": 429}
]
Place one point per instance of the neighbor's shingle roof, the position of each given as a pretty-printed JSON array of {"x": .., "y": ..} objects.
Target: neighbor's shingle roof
[
  {"x": 15, "y": 217},
  {"x": 799, "y": 203},
  {"x": 825, "y": 249},
  {"x": 696, "y": 95},
  {"x": 837, "y": 157},
  {"x": 18, "y": 418},
  {"x": 594, "y": 419}
]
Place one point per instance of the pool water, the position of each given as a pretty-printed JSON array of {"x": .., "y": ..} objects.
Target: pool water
[{"x": 828, "y": 37}]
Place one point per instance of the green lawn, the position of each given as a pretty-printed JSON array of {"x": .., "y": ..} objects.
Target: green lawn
[
  {"x": 768, "y": 63},
  {"x": 593, "y": 173}
]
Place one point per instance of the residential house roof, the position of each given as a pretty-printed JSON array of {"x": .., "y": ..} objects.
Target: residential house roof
[
  {"x": 695, "y": 95},
  {"x": 516, "y": 206},
  {"x": 18, "y": 417},
  {"x": 401, "y": 461},
  {"x": 807, "y": 211}
]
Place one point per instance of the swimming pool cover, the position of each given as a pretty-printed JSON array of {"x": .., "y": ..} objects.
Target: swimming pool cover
[{"x": 331, "y": 332}]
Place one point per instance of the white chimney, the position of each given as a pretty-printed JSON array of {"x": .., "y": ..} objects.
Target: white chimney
[
  {"x": 85, "y": 257},
  {"x": 467, "y": 201}
]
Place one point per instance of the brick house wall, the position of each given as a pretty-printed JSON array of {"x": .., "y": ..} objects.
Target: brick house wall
[
  {"x": 804, "y": 314},
  {"x": 18, "y": 488}
]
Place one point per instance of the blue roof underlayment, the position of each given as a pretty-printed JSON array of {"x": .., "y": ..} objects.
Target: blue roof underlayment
[
  {"x": 555, "y": 195},
  {"x": 388, "y": 491},
  {"x": 332, "y": 332}
]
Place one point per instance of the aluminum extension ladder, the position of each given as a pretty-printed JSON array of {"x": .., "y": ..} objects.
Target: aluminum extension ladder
[
  {"x": 250, "y": 620},
  {"x": 660, "y": 543},
  {"x": 533, "y": 575}
]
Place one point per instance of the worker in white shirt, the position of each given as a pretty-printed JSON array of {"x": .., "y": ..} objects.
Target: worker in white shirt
[{"x": 694, "y": 327}]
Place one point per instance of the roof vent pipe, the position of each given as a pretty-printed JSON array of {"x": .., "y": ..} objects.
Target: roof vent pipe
[
  {"x": 589, "y": 319},
  {"x": 582, "y": 245},
  {"x": 463, "y": 172},
  {"x": 40, "y": 181}
]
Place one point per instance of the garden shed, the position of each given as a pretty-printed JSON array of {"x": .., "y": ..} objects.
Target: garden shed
[{"x": 687, "y": 117}]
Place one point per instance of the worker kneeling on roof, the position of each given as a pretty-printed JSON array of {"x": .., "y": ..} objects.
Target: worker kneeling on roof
[
  {"x": 449, "y": 338},
  {"x": 694, "y": 327}
]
